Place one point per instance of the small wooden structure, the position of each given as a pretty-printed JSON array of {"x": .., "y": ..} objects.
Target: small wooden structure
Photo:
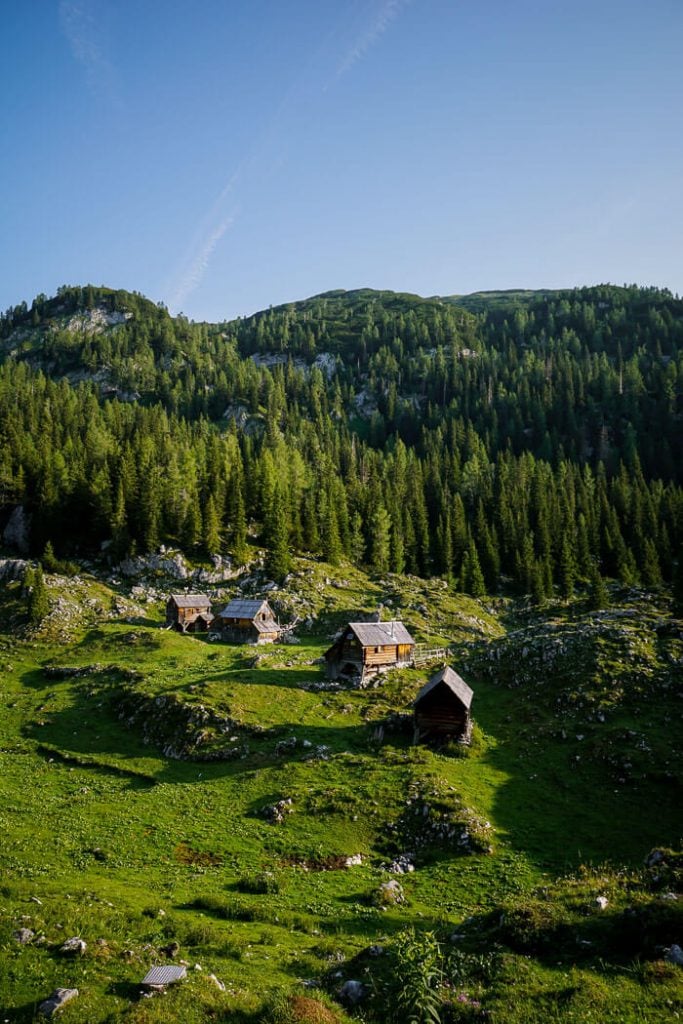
[
  {"x": 189, "y": 613},
  {"x": 442, "y": 708},
  {"x": 159, "y": 978},
  {"x": 365, "y": 648},
  {"x": 248, "y": 622}
]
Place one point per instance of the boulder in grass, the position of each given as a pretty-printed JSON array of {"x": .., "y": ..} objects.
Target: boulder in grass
[
  {"x": 59, "y": 998},
  {"x": 674, "y": 955},
  {"x": 23, "y": 936},
  {"x": 73, "y": 947},
  {"x": 352, "y": 992}
]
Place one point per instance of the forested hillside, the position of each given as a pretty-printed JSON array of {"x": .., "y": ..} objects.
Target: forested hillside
[{"x": 526, "y": 439}]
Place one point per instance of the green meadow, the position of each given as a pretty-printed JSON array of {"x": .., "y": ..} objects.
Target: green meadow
[{"x": 137, "y": 767}]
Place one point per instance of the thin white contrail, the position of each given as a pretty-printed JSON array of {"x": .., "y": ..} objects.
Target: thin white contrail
[
  {"x": 216, "y": 223},
  {"x": 387, "y": 12},
  {"x": 83, "y": 33},
  {"x": 197, "y": 268}
]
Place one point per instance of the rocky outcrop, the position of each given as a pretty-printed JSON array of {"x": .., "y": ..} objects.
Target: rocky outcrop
[
  {"x": 17, "y": 530},
  {"x": 173, "y": 565},
  {"x": 181, "y": 730},
  {"x": 12, "y": 568}
]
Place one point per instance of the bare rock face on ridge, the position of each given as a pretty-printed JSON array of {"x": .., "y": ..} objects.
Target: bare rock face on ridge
[{"x": 16, "y": 532}]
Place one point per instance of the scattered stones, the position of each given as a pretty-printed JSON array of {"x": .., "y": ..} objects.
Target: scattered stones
[
  {"x": 402, "y": 865},
  {"x": 73, "y": 947},
  {"x": 23, "y": 936},
  {"x": 59, "y": 998},
  {"x": 216, "y": 981},
  {"x": 601, "y": 902},
  {"x": 352, "y": 992},
  {"x": 275, "y": 813},
  {"x": 354, "y": 860},
  {"x": 674, "y": 955}
]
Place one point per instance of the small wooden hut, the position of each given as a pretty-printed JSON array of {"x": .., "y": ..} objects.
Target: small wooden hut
[
  {"x": 442, "y": 708},
  {"x": 248, "y": 622},
  {"x": 365, "y": 648},
  {"x": 189, "y": 613}
]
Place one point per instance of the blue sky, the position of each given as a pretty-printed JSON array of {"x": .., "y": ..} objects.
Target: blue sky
[{"x": 223, "y": 156}]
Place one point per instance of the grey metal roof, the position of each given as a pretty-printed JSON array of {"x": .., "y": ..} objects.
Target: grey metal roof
[
  {"x": 376, "y": 634},
  {"x": 455, "y": 683},
  {"x": 164, "y": 975},
  {"x": 191, "y": 600},
  {"x": 241, "y": 609}
]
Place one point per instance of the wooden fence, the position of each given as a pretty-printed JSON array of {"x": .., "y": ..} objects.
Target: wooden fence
[{"x": 424, "y": 654}]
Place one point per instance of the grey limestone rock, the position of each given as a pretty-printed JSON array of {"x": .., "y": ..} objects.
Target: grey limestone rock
[
  {"x": 73, "y": 947},
  {"x": 59, "y": 998}
]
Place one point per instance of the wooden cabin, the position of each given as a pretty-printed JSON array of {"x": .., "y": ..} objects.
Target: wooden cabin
[
  {"x": 365, "y": 648},
  {"x": 189, "y": 613},
  {"x": 248, "y": 622},
  {"x": 442, "y": 708}
]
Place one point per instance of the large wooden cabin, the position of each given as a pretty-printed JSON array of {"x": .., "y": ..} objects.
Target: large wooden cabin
[
  {"x": 189, "y": 613},
  {"x": 248, "y": 622},
  {"x": 442, "y": 708},
  {"x": 365, "y": 648}
]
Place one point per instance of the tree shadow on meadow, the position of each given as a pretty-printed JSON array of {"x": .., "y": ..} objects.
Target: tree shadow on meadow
[
  {"x": 560, "y": 805},
  {"x": 84, "y": 729}
]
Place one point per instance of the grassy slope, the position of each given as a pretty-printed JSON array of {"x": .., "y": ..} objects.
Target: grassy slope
[{"x": 107, "y": 832}]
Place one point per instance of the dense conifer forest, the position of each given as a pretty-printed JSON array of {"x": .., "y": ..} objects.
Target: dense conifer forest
[{"x": 504, "y": 440}]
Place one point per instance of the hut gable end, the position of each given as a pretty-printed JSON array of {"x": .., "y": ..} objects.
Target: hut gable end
[
  {"x": 442, "y": 707},
  {"x": 251, "y": 621},
  {"x": 366, "y": 648},
  {"x": 189, "y": 612}
]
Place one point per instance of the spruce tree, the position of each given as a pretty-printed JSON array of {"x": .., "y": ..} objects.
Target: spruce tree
[
  {"x": 380, "y": 540},
  {"x": 278, "y": 558},
  {"x": 567, "y": 569},
  {"x": 357, "y": 539},
  {"x": 597, "y": 591},
  {"x": 677, "y": 587},
  {"x": 538, "y": 591},
  {"x": 192, "y": 524},
  {"x": 652, "y": 574},
  {"x": 212, "y": 536},
  {"x": 239, "y": 528},
  {"x": 37, "y": 601},
  {"x": 472, "y": 576},
  {"x": 330, "y": 540}
]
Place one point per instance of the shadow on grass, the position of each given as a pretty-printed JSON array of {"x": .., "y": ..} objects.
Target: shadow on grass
[
  {"x": 560, "y": 805},
  {"x": 87, "y": 732},
  {"x": 25, "y": 1014}
]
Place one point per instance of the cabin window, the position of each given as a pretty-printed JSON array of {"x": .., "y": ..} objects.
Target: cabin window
[{"x": 377, "y": 650}]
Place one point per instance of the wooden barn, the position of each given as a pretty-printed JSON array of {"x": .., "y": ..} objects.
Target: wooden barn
[
  {"x": 365, "y": 648},
  {"x": 189, "y": 613},
  {"x": 248, "y": 622},
  {"x": 442, "y": 708}
]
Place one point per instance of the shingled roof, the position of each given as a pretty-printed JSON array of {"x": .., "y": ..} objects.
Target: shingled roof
[
  {"x": 191, "y": 600},
  {"x": 377, "y": 634},
  {"x": 241, "y": 609},
  {"x": 453, "y": 681}
]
